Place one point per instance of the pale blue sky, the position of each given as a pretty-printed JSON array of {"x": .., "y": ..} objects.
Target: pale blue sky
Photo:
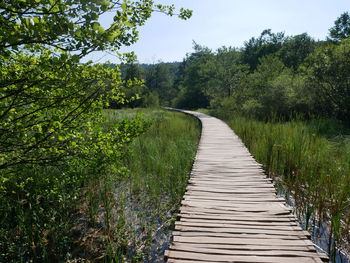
[{"x": 228, "y": 22}]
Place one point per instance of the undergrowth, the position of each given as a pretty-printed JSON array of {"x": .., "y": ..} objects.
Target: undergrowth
[
  {"x": 142, "y": 206},
  {"x": 112, "y": 201}
]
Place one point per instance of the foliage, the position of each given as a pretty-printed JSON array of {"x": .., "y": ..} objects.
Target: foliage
[
  {"x": 133, "y": 85},
  {"x": 190, "y": 75},
  {"x": 257, "y": 80},
  {"x": 159, "y": 80},
  {"x": 155, "y": 88},
  {"x": 272, "y": 75},
  {"x": 256, "y": 48},
  {"x": 224, "y": 73},
  {"x": 296, "y": 49},
  {"x": 52, "y": 138},
  {"x": 38, "y": 200},
  {"x": 328, "y": 71},
  {"x": 48, "y": 108},
  {"x": 288, "y": 76},
  {"x": 73, "y": 25},
  {"x": 341, "y": 28}
]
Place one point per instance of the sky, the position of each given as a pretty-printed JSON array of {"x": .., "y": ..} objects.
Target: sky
[{"x": 217, "y": 23}]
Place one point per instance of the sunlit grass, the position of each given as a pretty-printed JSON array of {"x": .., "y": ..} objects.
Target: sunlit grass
[{"x": 158, "y": 164}]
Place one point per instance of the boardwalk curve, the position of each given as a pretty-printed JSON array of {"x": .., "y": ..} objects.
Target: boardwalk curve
[{"x": 230, "y": 212}]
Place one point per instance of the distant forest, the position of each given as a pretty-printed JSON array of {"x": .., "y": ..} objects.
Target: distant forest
[{"x": 271, "y": 76}]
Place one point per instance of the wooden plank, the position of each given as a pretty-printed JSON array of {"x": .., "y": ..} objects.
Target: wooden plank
[
  {"x": 231, "y": 189},
  {"x": 266, "y": 206},
  {"x": 242, "y": 186},
  {"x": 238, "y": 196},
  {"x": 260, "y": 247},
  {"x": 241, "y": 189},
  {"x": 231, "y": 198},
  {"x": 282, "y": 252},
  {"x": 225, "y": 180},
  {"x": 238, "y": 259},
  {"x": 214, "y": 213},
  {"x": 238, "y": 230},
  {"x": 172, "y": 260},
  {"x": 242, "y": 241},
  {"x": 232, "y": 207},
  {"x": 229, "y": 234},
  {"x": 213, "y": 222},
  {"x": 243, "y": 217},
  {"x": 240, "y": 224},
  {"x": 241, "y": 200},
  {"x": 261, "y": 184},
  {"x": 229, "y": 175},
  {"x": 218, "y": 210}
]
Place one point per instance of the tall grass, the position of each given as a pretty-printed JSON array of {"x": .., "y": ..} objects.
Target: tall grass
[
  {"x": 116, "y": 210},
  {"x": 144, "y": 204},
  {"x": 313, "y": 170}
]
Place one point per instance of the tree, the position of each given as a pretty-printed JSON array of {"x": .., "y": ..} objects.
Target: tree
[
  {"x": 225, "y": 71},
  {"x": 159, "y": 80},
  {"x": 191, "y": 82},
  {"x": 328, "y": 71},
  {"x": 133, "y": 76},
  {"x": 295, "y": 49},
  {"x": 256, "y": 48},
  {"x": 341, "y": 28},
  {"x": 44, "y": 88},
  {"x": 52, "y": 131},
  {"x": 267, "y": 96},
  {"x": 73, "y": 25}
]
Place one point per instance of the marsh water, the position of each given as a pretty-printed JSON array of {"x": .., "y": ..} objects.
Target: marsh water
[{"x": 319, "y": 232}]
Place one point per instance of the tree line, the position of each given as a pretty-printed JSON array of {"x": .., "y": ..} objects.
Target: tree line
[{"x": 271, "y": 76}]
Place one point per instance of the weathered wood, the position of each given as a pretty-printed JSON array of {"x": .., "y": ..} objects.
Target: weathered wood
[
  {"x": 187, "y": 221},
  {"x": 230, "y": 212},
  {"x": 246, "y": 247},
  {"x": 218, "y": 210},
  {"x": 242, "y": 217},
  {"x": 240, "y": 258},
  {"x": 240, "y": 190},
  {"x": 231, "y": 198},
  {"x": 243, "y": 234},
  {"x": 238, "y": 230},
  {"x": 242, "y": 241},
  {"x": 269, "y": 252},
  {"x": 239, "y": 225}
]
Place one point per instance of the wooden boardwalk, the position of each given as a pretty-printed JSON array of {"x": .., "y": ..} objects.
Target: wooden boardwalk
[{"x": 230, "y": 212}]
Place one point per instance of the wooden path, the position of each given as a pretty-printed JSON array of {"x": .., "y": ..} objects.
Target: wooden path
[{"x": 230, "y": 212}]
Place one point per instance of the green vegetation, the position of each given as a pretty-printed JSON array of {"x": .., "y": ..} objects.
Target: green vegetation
[
  {"x": 272, "y": 75},
  {"x": 115, "y": 211},
  {"x": 158, "y": 164},
  {"x": 38, "y": 201},
  {"x": 53, "y": 140},
  {"x": 297, "y": 80},
  {"x": 312, "y": 170},
  {"x": 65, "y": 162}
]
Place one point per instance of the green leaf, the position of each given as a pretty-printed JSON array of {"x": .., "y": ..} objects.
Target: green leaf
[
  {"x": 128, "y": 24},
  {"x": 95, "y": 25}
]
